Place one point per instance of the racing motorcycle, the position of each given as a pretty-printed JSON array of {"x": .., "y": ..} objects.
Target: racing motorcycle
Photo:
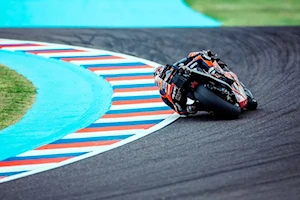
[{"x": 225, "y": 96}]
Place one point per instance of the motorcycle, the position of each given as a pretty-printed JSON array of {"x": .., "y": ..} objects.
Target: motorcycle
[{"x": 212, "y": 91}]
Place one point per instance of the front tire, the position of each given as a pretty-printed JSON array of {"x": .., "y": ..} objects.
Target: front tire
[
  {"x": 252, "y": 104},
  {"x": 214, "y": 103}
]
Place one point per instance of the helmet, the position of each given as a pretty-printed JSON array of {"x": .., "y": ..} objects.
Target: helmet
[
  {"x": 209, "y": 53},
  {"x": 206, "y": 54},
  {"x": 158, "y": 70}
]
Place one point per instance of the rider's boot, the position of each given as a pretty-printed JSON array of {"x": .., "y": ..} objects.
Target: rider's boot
[{"x": 191, "y": 109}]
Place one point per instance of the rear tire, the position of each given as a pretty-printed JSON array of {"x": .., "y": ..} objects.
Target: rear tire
[{"x": 216, "y": 104}]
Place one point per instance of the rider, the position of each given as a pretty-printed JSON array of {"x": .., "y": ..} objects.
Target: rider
[{"x": 175, "y": 97}]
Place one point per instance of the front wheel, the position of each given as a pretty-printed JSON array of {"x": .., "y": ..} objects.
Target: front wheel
[
  {"x": 252, "y": 104},
  {"x": 214, "y": 103}
]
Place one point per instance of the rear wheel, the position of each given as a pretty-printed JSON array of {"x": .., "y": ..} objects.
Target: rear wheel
[{"x": 214, "y": 103}]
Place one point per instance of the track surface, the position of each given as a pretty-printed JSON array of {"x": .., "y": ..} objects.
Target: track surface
[{"x": 254, "y": 157}]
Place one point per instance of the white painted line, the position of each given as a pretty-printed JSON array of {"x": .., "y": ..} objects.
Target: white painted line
[
  {"x": 132, "y": 82},
  {"x": 123, "y": 71},
  {"x": 132, "y": 119},
  {"x": 137, "y": 93},
  {"x": 23, "y": 167},
  {"x": 138, "y": 105},
  {"x": 148, "y": 62},
  {"x": 100, "y": 149},
  {"x": 31, "y": 48},
  {"x": 164, "y": 123},
  {"x": 102, "y": 133},
  {"x": 6, "y": 41}
]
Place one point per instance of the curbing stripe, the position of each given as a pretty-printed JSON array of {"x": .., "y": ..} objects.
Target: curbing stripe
[{"x": 136, "y": 110}]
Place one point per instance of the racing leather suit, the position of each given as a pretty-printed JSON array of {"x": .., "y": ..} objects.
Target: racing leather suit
[{"x": 176, "y": 97}]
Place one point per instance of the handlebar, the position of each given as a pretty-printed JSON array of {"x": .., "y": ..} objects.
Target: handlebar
[{"x": 189, "y": 70}]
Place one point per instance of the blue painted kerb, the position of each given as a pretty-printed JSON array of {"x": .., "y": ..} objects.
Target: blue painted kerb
[
  {"x": 101, "y": 13},
  {"x": 68, "y": 98}
]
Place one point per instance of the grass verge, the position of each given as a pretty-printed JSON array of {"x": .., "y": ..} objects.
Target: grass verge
[
  {"x": 17, "y": 94},
  {"x": 250, "y": 12}
]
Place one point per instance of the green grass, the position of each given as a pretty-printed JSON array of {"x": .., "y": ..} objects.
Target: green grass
[
  {"x": 17, "y": 94},
  {"x": 250, "y": 12}
]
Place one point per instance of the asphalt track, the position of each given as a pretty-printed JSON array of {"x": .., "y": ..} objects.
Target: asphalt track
[{"x": 254, "y": 157}]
